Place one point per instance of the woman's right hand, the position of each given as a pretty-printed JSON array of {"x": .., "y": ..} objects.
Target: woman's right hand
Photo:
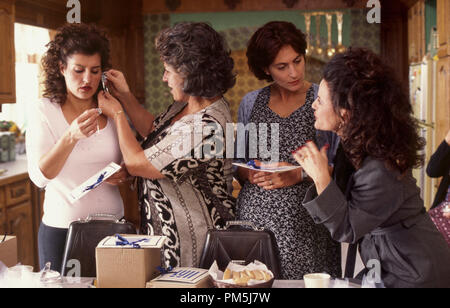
[
  {"x": 117, "y": 83},
  {"x": 447, "y": 138},
  {"x": 315, "y": 164},
  {"x": 84, "y": 126}
]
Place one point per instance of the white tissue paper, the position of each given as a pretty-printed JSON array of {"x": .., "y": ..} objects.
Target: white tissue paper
[{"x": 217, "y": 274}]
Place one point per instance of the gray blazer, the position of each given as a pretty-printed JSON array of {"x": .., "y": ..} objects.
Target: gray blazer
[{"x": 384, "y": 212}]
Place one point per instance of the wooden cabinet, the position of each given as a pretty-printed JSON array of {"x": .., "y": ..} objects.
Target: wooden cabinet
[
  {"x": 16, "y": 216},
  {"x": 443, "y": 26},
  {"x": 7, "y": 53},
  {"x": 416, "y": 32},
  {"x": 443, "y": 70},
  {"x": 2, "y": 216},
  {"x": 442, "y": 98},
  {"x": 20, "y": 224}
]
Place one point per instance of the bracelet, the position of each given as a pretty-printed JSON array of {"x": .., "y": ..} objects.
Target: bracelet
[{"x": 117, "y": 113}]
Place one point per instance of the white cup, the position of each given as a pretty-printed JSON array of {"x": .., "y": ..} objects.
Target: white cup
[{"x": 317, "y": 280}]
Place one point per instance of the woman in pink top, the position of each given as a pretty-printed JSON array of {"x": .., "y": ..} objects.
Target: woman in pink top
[{"x": 68, "y": 140}]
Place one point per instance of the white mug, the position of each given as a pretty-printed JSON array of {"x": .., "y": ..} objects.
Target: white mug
[{"x": 317, "y": 280}]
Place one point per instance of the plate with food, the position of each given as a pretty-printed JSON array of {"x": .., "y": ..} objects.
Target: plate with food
[{"x": 253, "y": 275}]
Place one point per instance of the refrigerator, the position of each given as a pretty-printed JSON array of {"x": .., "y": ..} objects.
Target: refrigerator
[{"x": 422, "y": 87}]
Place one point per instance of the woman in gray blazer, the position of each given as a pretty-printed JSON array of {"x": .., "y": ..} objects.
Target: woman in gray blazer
[{"x": 379, "y": 206}]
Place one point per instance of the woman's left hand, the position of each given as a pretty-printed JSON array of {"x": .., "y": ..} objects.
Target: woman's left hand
[
  {"x": 315, "y": 164},
  {"x": 119, "y": 177},
  {"x": 276, "y": 180},
  {"x": 108, "y": 104}
]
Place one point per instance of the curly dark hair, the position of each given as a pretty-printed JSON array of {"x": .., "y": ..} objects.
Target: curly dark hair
[
  {"x": 380, "y": 120},
  {"x": 268, "y": 40},
  {"x": 87, "y": 39},
  {"x": 200, "y": 55}
]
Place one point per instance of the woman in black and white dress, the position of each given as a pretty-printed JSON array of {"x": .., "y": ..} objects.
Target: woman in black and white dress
[{"x": 185, "y": 181}]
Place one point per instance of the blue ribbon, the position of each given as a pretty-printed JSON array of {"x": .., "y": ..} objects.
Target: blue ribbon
[
  {"x": 253, "y": 164},
  {"x": 124, "y": 242},
  {"x": 98, "y": 182},
  {"x": 164, "y": 271}
]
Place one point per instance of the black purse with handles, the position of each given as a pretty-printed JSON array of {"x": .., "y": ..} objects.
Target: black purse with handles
[
  {"x": 83, "y": 237},
  {"x": 236, "y": 243}
]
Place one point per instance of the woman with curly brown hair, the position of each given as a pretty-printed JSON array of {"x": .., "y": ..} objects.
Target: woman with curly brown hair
[
  {"x": 68, "y": 140},
  {"x": 184, "y": 181},
  {"x": 381, "y": 209}
]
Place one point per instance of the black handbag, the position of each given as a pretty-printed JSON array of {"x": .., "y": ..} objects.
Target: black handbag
[
  {"x": 82, "y": 239},
  {"x": 240, "y": 245}
]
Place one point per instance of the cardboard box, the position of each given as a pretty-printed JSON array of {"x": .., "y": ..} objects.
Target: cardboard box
[
  {"x": 8, "y": 250},
  {"x": 126, "y": 266},
  {"x": 183, "y": 277}
]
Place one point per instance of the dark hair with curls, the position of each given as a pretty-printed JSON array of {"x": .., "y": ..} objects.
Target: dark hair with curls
[
  {"x": 380, "y": 119},
  {"x": 71, "y": 39},
  {"x": 199, "y": 54},
  {"x": 267, "y": 41}
]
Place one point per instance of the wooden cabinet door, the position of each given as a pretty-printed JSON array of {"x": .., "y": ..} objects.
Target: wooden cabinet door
[
  {"x": 3, "y": 224},
  {"x": 443, "y": 26},
  {"x": 442, "y": 99},
  {"x": 20, "y": 224},
  {"x": 7, "y": 53},
  {"x": 416, "y": 32}
]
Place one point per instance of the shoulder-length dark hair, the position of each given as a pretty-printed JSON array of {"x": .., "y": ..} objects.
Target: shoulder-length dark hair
[
  {"x": 71, "y": 39},
  {"x": 380, "y": 120},
  {"x": 200, "y": 55},
  {"x": 267, "y": 41}
]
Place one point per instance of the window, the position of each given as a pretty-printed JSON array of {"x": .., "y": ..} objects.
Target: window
[{"x": 30, "y": 44}]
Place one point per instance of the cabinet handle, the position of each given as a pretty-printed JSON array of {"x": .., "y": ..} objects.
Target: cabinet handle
[{"x": 18, "y": 193}]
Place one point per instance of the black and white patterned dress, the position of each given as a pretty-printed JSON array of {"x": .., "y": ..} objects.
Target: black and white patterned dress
[
  {"x": 195, "y": 194},
  {"x": 304, "y": 246}
]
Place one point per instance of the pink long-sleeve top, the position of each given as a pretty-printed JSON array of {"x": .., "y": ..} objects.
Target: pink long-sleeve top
[{"x": 46, "y": 126}]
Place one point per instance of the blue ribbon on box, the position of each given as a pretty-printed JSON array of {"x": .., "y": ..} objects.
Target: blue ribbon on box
[
  {"x": 164, "y": 271},
  {"x": 124, "y": 242},
  {"x": 253, "y": 164}
]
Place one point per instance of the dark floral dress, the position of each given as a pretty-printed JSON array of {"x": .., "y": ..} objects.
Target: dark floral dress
[{"x": 304, "y": 246}]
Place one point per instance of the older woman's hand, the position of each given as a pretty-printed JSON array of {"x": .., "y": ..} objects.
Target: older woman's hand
[
  {"x": 315, "y": 164},
  {"x": 109, "y": 105},
  {"x": 119, "y": 177},
  {"x": 117, "y": 83}
]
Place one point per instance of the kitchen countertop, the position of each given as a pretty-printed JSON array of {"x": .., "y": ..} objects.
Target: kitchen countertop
[{"x": 15, "y": 169}]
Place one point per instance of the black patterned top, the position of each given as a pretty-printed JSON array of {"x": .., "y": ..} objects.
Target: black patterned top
[
  {"x": 195, "y": 195},
  {"x": 304, "y": 246}
]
